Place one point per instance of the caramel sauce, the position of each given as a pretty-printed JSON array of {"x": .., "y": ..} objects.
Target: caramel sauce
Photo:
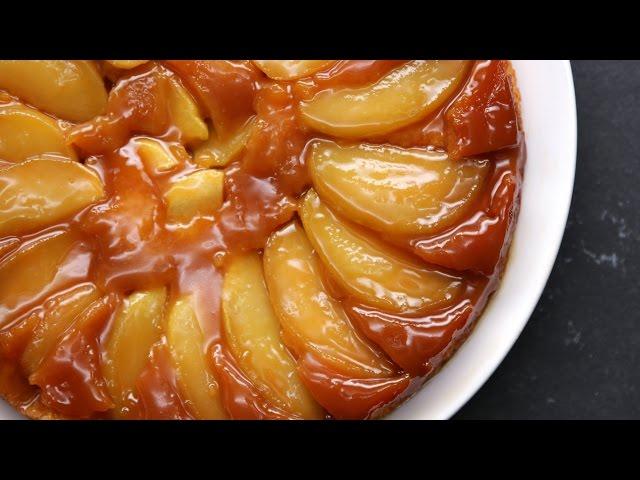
[{"x": 126, "y": 243}]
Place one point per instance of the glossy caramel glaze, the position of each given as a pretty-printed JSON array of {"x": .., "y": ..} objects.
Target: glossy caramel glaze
[{"x": 126, "y": 242}]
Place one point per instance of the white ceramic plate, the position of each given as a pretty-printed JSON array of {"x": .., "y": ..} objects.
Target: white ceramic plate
[{"x": 549, "y": 117}]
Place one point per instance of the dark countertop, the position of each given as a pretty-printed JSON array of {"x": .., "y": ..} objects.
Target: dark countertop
[{"x": 579, "y": 355}]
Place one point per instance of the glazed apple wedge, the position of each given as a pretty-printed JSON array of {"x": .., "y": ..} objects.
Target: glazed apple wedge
[
  {"x": 70, "y": 89},
  {"x": 25, "y": 132},
  {"x": 185, "y": 113},
  {"x": 137, "y": 327},
  {"x": 199, "y": 193},
  {"x": 58, "y": 316},
  {"x": 186, "y": 344},
  {"x": 395, "y": 190},
  {"x": 371, "y": 271},
  {"x": 157, "y": 157},
  {"x": 126, "y": 64},
  {"x": 40, "y": 268},
  {"x": 219, "y": 152},
  {"x": 42, "y": 191},
  {"x": 311, "y": 320},
  {"x": 291, "y": 69},
  {"x": 253, "y": 334},
  {"x": 406, "y": 95}
]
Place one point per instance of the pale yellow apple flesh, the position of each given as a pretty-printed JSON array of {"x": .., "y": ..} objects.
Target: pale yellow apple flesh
[
  {"x": 42, "y": 191},
  {"x": 59, "y": 315},
  {"x": 185, "y": 114},
  {"x": 32, "y": 270},
  {"x": 252, "y": 331},
  {"x": 138, "y": 325},
  {"x": 370, "y": 270},
  {"x": 157, "y": 157},
  {"x": 406, "y": 95},
  {"x": 311, "y": 320},
  {"x": 186, "y": 344},
  {"x": 217, "y": 152},
  {"x": 396, "y": 190},
  {"x": 25, "y": 132},
  {"x": 197, "y": 194},
  {"x": 126, "y": 64},
  {"x": 69, "y": 89}
]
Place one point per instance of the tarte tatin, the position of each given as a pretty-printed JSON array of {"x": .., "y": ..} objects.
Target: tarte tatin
[{"x": 266, "y": 239}]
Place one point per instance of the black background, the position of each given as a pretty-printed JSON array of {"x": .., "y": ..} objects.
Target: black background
[{"x": 578, "y": 357}]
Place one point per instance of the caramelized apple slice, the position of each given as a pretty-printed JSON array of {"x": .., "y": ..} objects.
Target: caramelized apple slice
[
  {"x": 39, "y": 269},
  {"x": 240, "y": 396},
  {"x": 69, "y": 89},
  {"x": 479, "y": 242},
  {"x": 59, "y": 315},
  {"x": 395, "y": 190},
  {"x": 346, "y": 397},
  {"x": 484, "y": 117},
  {"x": 291, "y": 69},
  {"x": 253, "y": 334},
  {"x": 126, "y": 64},
  {"x": 137, "y": 326},
  {"x": 158, "y": 389},
  {"x": 370, "y": 270},
  {"x": 185, "y": 113},
  {"x": 217, "y": 152},
  {"x": 419, "y": 343},
  {"x": 186, "y": 343},
  {"x": 405, "y": 95},
  {"x": 15, "y": 338},
  {"x": 156, "y": 156},
  {"x": 43, "y": 191},
  {"x": 198, "y": 193},
  {"x": 70, "y": 377},
  {"x": 311, "y": 320},
  {"x": 25, "y": 132}
]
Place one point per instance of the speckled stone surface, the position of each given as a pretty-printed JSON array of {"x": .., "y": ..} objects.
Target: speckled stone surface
[{"x": 579, "y": 356}]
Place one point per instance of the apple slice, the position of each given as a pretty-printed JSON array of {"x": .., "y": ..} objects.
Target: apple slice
[
  {"x": 311, "y": 320},
  {"x": 185, "y": 113},
  {"x": 40, "y": 268},
  {"x": 25, "y": 132},
  {"x": 406, "y": 95},
  {"x": 137, "y": 326},
  {"x": 240, "y": 396},
  {"x": 70, "y": 377},
  {"x": 253, "y": 334},
  {"x": 186, "y": 343},
  {"x": 70, "y": 89},
  {"x": 126, "y": 64},
  {"x": 58, "y": 316},
  {"x": 217, "y": 152},
  {"x": 158, "y": 389},
  {"x": 371, "y": 271},
  {"x": 396, "y": 190},
  {"x": 291, "y": 69},
  {"x": 42, "y": 191},
  {"x": 158, "y": 157},
  {"x": 346, "y": 397},
  {"x": 197, "y": 194}
]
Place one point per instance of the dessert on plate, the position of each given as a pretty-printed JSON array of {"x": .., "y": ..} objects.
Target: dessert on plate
[{"x": 266, "y": 239}]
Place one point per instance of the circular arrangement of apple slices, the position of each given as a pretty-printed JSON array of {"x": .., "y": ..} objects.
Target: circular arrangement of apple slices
[{"x": 128, "y": 291}]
